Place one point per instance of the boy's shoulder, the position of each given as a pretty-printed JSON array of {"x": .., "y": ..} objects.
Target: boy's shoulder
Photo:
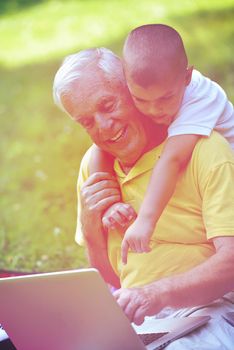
[
  {"x": 197, "y": 76},
  {"x": 195, "y": 83}
]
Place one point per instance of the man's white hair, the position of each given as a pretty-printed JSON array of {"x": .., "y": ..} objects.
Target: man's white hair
[{"x": 73, "y": 67}]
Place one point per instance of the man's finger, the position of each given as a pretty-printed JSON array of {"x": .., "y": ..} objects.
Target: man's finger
[
  {"x": 103, "y": 194},
  {"x": 128, "y": 302},
  {"x": 97, "y": 177},
  {"x": 104, "y": 203},
  {"x": 130, "y": 309},
  {"x": 89, "y": 190},
  {"x": 122, "y": 298},
  {"x": 138, "y": 317}
]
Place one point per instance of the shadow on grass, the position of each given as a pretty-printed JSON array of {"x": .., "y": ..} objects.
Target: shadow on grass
[
  {"x": 11, "y": 6},
  {"x": 41, "y": 148}
]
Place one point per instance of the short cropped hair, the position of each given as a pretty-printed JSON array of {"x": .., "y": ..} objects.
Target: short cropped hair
[
  {"x": 150, "y": 50},
  {"x": 74, "y": 66}
]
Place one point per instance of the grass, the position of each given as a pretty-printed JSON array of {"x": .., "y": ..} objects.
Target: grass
[{"x": 40, "y": 147}]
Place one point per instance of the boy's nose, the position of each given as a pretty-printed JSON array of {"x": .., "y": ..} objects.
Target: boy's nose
[{"x": 154, "y": 109}]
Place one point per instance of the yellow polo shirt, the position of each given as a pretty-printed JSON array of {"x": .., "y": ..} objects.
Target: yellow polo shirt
[{"x": 201, "y": 208}]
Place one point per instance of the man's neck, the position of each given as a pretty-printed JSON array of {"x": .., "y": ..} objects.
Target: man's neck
[{"x": 156, "y": 134}]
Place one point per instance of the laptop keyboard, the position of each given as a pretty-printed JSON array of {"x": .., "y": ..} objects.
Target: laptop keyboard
[
  {"x": 146, "y": 338},
  {"x": 3, "y": 334},
  {"x": 150, "y": 337}
]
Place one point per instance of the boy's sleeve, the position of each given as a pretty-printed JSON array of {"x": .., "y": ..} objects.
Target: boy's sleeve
[
  {"x": 82, "y": 177},
  {"x": 204, "y": 105}
]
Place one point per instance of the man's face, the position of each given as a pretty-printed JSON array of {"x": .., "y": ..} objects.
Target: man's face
[
  {"x": 161, "y": 101},
  {"x": 105, "y": 109}
]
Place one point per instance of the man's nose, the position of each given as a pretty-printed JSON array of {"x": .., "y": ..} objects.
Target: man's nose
[{"x": 103, "y": 122}]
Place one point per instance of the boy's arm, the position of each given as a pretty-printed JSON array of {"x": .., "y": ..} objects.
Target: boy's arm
[
  {"x": 100, "y": 161},
  {"x": 176, "y": 155},
  {"x": 120, "y": 214}
]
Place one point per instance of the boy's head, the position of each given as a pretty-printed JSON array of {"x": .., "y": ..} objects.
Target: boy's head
[{"x": 155, "y": 65}]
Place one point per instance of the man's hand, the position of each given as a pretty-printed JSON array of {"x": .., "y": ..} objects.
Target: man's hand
[
  {"x": 138, "y": 302},
  {"x": 98, "y": 193},
  {"x": 136, "y": 238},
  {"x": 118, "y": 216},
  {"x": 192, "y": 288}
]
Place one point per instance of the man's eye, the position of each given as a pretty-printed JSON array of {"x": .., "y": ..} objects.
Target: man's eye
[
  {"x": 87, "y": 123},
  {"x": 139, "y": 100},
  {"x": 108, "y": 107}
]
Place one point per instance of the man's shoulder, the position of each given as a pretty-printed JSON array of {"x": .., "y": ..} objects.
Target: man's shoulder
[
  {"x": 213, "y": 150},
  {"x": 84, "y": 166}
]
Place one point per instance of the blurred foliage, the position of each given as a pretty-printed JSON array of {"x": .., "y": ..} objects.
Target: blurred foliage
[
  {"x": 40, "y": 147},
  {"x": 10, "y": 6}
]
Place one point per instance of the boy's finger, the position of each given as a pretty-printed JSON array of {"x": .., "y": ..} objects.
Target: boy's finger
[
  {"x": 108, "y": 223},
  {"x": 136, "y": 246},
  {"x": 123, "y": 211},
  {"x": 131, "y": 214},
  {"x": 118, "y": 218},
  {"x": 145, "y": 248},
  {"x": 105, "y": 222},
  {"x": 124, "y": 251},
  {"x": 125, "y": 214}
]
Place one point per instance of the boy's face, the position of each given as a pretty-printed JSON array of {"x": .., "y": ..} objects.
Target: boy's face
[{"x": 161, "y": 101}]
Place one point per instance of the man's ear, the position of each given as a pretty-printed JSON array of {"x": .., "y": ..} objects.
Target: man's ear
[{"x": 188, "y": 76}]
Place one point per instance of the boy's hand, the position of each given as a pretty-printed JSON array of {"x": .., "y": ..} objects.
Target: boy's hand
[
  {"x": 118, "y": 216},
  {"x": 136, "y": 238}
]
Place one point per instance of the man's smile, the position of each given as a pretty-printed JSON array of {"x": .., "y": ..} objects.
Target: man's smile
[{"x": 118, "y": 135}]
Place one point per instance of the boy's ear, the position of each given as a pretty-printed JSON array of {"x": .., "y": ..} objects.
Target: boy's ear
[{"x": 188, "y": 76}]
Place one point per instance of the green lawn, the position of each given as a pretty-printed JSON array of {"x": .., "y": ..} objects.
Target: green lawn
[{"x": 40, "y": 147}]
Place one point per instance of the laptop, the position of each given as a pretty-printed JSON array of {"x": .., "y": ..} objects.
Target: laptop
[{"x": 74, "y": 310}]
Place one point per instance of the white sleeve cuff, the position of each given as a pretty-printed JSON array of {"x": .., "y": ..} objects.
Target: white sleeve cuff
[{"x": 188, "y": 129}]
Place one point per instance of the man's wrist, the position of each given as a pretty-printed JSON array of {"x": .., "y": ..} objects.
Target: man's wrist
[
  {"x": 92, "y": 244},
  {"x": 161, "y": 293},
  {"x": 97, "y": 240}
]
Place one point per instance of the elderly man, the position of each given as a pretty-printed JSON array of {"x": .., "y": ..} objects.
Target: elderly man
[{"x": 192, "y": 250}]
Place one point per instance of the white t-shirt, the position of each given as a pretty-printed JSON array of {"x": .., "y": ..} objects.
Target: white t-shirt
[{"x": 205, "y": 107}]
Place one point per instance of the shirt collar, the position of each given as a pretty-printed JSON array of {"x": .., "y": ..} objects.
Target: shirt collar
[{"x": 144, "y": 163}]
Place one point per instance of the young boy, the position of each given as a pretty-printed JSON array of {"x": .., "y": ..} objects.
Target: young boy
[{"x": 165, "y": 89}]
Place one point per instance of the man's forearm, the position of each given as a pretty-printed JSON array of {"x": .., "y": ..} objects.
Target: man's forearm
[
  {"x": 97, "y": 193},
  {"x": 98, "y": 258},
  {"x": 200, "y": 285}
]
